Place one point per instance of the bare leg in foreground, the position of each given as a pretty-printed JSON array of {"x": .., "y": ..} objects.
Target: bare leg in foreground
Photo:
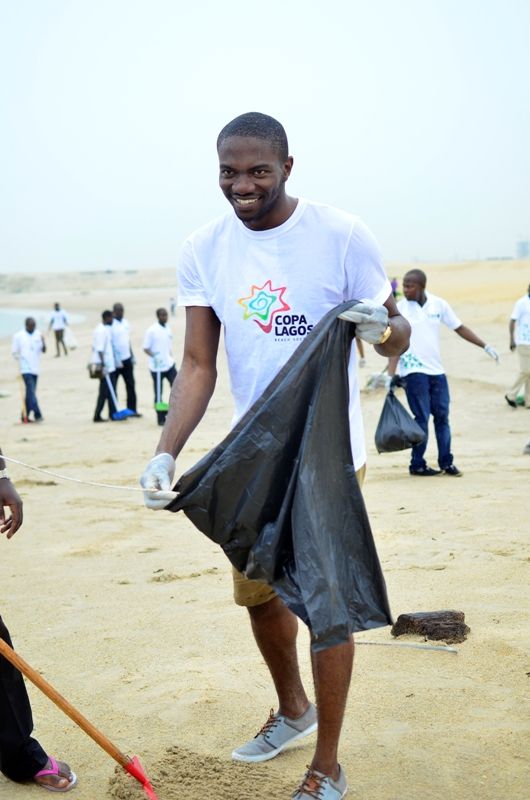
[{"x": 275, "y": 629}]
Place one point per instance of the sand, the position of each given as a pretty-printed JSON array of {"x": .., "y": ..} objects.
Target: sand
[{"x": 129, "y": 614}]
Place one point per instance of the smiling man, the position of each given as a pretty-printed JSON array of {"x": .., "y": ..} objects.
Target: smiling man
[{"x": 268, "y": 273}]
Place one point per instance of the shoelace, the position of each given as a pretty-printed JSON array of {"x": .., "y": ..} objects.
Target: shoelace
[
  {"x": 312, "y": 785},
  {"x": 272, "y": 721}
]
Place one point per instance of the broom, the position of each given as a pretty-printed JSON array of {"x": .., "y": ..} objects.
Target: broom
[
  {"x": 159, "y": 405},
  {"x": 23, "y": 408},
  {"x": 125, "y": 412},
  {"x": 131, "y": 765}
]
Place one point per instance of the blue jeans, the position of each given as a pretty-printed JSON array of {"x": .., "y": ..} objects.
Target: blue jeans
[
  {"x": 31, "y": 395},
  {"x": 429, "y": 395}
]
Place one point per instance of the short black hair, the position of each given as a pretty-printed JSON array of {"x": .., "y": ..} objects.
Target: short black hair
[
  {"x": 259, "y": 126},
  {"x": 418, "y": 276},
  {"x": 107, "y": 314}
]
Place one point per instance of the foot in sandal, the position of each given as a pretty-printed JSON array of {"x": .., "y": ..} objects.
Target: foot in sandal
[{"x": 56, "y": 776}]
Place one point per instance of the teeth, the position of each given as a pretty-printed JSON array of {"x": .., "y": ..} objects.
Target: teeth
[{"x": 241, "y": 202}]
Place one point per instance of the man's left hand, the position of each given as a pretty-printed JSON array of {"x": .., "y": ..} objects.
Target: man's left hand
[
  {"x": 370, "y": 321},
  {"x": 9, "y": 498},
  {"x": 492, "y": 353}
]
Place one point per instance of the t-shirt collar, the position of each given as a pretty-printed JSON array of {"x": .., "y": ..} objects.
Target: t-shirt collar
[{"x": 279, "y": 230}]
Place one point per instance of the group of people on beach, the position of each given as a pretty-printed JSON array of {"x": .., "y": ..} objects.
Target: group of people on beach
[
  {"x": 113, "y": 357},
  {"x": 271, "y": 260}
]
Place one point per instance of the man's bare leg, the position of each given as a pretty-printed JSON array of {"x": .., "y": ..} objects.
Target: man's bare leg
[
  {"x": 332, "y": 669},
  {"x": 275, "y": 629}
]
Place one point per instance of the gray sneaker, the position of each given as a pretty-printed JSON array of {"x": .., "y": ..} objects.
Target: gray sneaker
[
  {"x": 276, "y": 734},
  {"x": 322, "y": 787}
]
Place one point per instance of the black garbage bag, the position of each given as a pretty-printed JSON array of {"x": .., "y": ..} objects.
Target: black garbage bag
[
  {"x": 396, "y": 429},
  {"x": 280, "y": 495}
]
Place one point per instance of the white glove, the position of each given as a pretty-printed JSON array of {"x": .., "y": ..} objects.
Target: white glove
[
  {"x": 157, "y": 479},
  {"x": 370, "y": 321},
  {"x": 492, "y": 353}
]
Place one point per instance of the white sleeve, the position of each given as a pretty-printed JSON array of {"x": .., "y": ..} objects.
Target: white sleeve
[
  {"x": 516, "y": 311},
  {"x": 191, "y": 291},
  {"x": 366, "y": 278},
  {"x": 100, "y": 340},
  {"x": 449, "y": 317},
  {"x": 147, "y": 340}
]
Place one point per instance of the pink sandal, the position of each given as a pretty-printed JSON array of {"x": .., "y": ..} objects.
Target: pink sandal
[{"x": 55, "y": 771}]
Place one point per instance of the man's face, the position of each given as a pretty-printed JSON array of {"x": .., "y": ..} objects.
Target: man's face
[
  {"x": 252, "y": 178},
  {"x": 118, "y": 311},
  {"x": 162, "y": 317},
  {"x": 30, "y": 325},
  {"x": 412, "y": 288}
]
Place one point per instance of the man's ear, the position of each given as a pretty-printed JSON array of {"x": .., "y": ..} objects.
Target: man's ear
[{"x": 287, "y": 167}]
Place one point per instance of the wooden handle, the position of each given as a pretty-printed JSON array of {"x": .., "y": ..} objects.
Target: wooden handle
[{"x": 63, "y": 704}]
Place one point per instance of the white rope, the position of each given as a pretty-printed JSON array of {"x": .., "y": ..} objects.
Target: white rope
[
  {"x": 442, "y": 647},
  {"x": 73, "y": 480}
]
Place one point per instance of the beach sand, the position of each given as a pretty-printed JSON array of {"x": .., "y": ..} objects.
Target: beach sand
[{"x": 129, "y": 613}]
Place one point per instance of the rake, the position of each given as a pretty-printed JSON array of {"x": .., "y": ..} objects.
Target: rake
[{"x": 130, "y": 765}]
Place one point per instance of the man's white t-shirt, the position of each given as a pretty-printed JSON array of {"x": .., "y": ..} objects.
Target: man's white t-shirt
[
  {"x": 121, "y": 338},
  {"x": 102, "y": 343},
  {"x": 58, "y": 320},
  {"x": 27, "y": 347},
  {"x": 521, "y": 315},
  {"x": 269, "y": 288},
  {"x": 423, "y": 354},
  {"x": 158, "y": 339}
]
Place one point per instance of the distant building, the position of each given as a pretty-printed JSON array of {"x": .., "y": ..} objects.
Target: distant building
[{"x": 522, "y": 248}]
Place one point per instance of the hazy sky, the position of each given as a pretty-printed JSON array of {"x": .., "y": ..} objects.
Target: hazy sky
[{"x": 414, "y": 114}]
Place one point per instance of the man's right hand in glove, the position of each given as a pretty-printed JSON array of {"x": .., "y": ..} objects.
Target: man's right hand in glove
[{"x": 156, "y": 481}]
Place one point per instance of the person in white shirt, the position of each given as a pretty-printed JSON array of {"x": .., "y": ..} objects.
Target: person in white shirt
[
  {"x": 421, "y": 371},
  {"x": 27, "y": 346},
  {"x": 520, "y": 338},
  {"x": 58, "y": 322},
  {"x": 103, "y": 355},
  {"x": 268, "y": 271},
  {"x": 158, "y": 346},
  {"x": 123, "y": 355}
]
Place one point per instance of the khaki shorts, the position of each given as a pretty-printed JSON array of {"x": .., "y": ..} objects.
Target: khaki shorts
[{"x": 254, "y": 593}]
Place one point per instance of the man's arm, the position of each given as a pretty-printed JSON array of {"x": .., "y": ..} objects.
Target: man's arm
[
  {"x": 9, "y": 498},
  {"x": 512, "y": 334},
  {"x": 469, "y": 335},
  {"x": 195, "y": 381},
  {"x": 399, "y": 339}
]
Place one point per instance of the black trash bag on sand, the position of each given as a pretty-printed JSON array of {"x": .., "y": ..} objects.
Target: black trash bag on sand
[
  {"x": 280, "y": 495},
  {"x": 396, "y": 429}
]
